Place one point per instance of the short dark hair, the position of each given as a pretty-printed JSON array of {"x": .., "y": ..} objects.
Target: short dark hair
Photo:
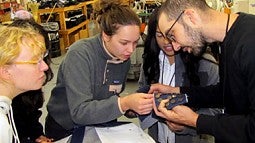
[{"x": 173, "y": 8}]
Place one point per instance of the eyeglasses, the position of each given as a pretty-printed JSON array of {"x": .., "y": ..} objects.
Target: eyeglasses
[
  {"x": 33, "y": 62},
  {"x": 169, "y": 36}
]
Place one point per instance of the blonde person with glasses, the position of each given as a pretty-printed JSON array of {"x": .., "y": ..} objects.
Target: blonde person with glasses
[
  {"x": 21, "y": 69},
  {"x": 27, "y": 106}
]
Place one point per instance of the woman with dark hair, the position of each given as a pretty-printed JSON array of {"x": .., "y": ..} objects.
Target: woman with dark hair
[
  {"x": 26, "y": 106},
  {"x": 161, "y": 64},
  {"x": 93, "y": 75}
]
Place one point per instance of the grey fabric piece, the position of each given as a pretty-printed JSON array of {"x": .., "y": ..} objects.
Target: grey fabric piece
[
  {"x": 164, "y": 134},
  {"x": 209, "y": 72},
  {"x": 148, "y": 122}
]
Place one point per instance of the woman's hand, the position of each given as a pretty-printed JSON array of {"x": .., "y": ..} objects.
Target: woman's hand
[
  {"x": 43, "y": 139},
  {"x": 141, "y": 103}
]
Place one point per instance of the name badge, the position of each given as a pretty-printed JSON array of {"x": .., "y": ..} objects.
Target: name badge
[{"x": 116, "y": 88}]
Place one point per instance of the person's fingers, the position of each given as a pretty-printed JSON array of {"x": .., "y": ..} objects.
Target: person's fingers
[
  {"x": 161, "y": 109},
  {"x": 43, "y": 139},
  {"x": 174, "y": 126},
  {"x": 153, "y": 88},
  {"x": 162, "y": 105}
]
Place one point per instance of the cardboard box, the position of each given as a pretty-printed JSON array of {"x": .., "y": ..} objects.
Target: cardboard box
[
  {"x": 74, "y": 37},
  {"x": 5, "y": 17},
  {"x": 62, "y": 46},
  {"x": 84, "y": 33}
]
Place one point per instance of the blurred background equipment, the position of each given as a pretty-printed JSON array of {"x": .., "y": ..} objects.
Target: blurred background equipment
[{"x": 52, "y": 30}]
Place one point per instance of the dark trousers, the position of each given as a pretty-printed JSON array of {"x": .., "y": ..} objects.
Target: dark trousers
[
  {"x": 54, "y": 130},
  {"x": 153, "y": 131}
]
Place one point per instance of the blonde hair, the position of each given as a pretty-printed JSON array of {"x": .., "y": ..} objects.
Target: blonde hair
[{"x": 11, "y": 39}]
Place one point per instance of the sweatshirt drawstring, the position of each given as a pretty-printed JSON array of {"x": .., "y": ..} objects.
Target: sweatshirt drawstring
[{"x": 14, "y": 130}]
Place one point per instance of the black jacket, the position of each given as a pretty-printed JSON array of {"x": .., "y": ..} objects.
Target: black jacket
[{"x": 26, "y": 115}]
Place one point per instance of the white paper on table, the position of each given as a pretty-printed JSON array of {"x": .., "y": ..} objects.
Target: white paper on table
[{"x": 126, "y": 133}]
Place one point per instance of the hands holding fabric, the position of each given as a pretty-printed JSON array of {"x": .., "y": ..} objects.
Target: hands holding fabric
[
  {"x": 177, "y": 117},
  {"x": 141, "y": 103}
]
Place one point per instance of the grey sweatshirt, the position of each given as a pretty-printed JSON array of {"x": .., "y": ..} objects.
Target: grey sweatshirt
[{"x": 82, "y": 93}]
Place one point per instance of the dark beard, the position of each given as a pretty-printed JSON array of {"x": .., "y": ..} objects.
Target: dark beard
[
  {"x": 198, "y": 38},
  {"x": 201, "y": 51}
]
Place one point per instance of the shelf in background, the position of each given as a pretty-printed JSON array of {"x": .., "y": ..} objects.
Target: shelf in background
[{"x": 62, "y": 13}]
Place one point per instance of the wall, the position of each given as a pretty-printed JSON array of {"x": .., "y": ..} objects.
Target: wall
[{"x": 247, "y": 6}]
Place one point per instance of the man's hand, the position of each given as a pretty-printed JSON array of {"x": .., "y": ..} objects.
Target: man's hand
[
  {"x": 163, "y": 88},
  {"x": 175, "y": 127},
  {"x": 179, "y": 114}
]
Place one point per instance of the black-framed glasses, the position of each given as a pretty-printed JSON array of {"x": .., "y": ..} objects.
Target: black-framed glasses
[{"x": 169, "y": 36}]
